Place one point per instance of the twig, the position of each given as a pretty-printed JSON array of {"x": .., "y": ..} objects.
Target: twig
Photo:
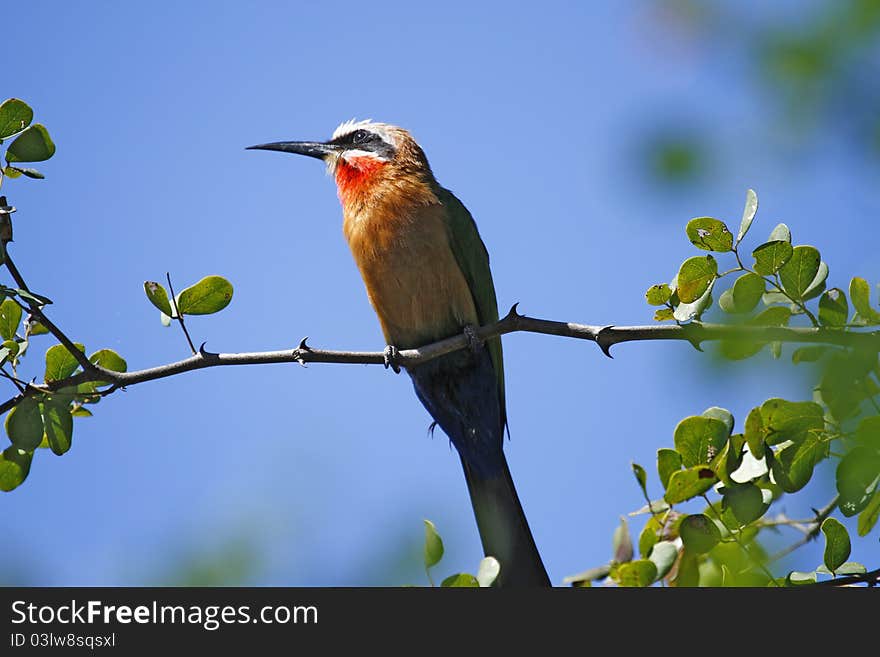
[
  {"x": 811, "y": 534},
  {"x": 37, "y": 312},
  {"x": 178, "y": 313},
  {"x": 16, "y": 382}
]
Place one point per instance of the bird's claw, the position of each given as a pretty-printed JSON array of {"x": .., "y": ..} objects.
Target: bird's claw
[
  {"x": 391, "y": 355},
  {"x": 474, "y": 343}
]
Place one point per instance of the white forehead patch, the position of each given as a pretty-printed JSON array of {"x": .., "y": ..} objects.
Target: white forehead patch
[{"x": 384, "y": 130}]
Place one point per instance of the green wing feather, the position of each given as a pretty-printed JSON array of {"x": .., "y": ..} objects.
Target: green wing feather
[{"x": 472, "y": 257}]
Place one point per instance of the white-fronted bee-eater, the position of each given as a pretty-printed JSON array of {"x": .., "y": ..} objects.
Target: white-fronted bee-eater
[{"x": 427, "y": 276}]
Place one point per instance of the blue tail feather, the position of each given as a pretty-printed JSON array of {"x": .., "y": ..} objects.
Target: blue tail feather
[{"x": 460, "y": 391}]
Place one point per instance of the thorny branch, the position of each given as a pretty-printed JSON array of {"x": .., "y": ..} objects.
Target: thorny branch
[{"x": 604, "y": 336}]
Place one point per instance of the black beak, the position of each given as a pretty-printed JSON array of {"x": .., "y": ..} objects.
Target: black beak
[{"x": 311, "y": 148}]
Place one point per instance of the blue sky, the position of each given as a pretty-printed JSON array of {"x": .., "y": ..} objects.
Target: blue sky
[{"x": 532, "y": 115}]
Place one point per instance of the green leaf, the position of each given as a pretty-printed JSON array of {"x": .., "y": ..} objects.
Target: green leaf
[
  {"x": 688, "y": 572},
  {"x": 699, "y": 534},
  {"x": 60, "y": 363},
  {"x": 856, "y": 478},
  {"x": 58, "y": 425},
  {"x": 81, "y": 412},
  {"x": 209, "y": 295},
  {"x": 694, "y": 277},
  {"x": 109, "y": 360},
  {"x": 33, "y": 327},
  {"x": 771, "y": 256},
  {"x": 648, "y": 537},
  {"x": 754, "y": 433},
  {"x": 837, "y": 544},
  {"x": 781, "y": 232},
  {"x": 860, "y": 293},
  {"x": 687, "y": 311},
  {"x": 709, "y": 234},
  {"x": 718, "y": 413},
  {"x": 26, "y": 171},
  {"x": 584, "y": 578},
  {"x": 745, "y": 294},
  {"x": 15, "y": 464},
  {"x": 158, "y": 297},
  {"x": 745, "y": 501},
  {"x": 749, "y": 213},
  {"x": 659, "y": 294},
  {"x": 809, "y": 354},
  {"x": 698, "y": 439},
  {"x": 817, "y": 286},
  {"x": 869, "y": 515},
  {"x": 24, "y": 425},
  {"x": 38, "y": 299},
  {"x": 32, "y": 145},
  {"x": 844, "y": 382},
  {"x": 10, "y": 318},
  {"x": 796, "y": 578},
  {"x": 732, "y": 457},
  {"x": 433, "y": 545},
  {"x": 460, "y": 581},
  {"x": 745, "y": 347},
  {"x": 848, "y": 568},
  {"x": 655, "y": 506},
  {"x": 668, "y": 461},
  {"x": 663, "y": 554},
  {"x": 793, "y": 465},
  {"x": 488, "y": 570},
  {"x": 771, "y": 298},
  {"x": 664, "y": 314},
  {"x": 775, "y": 316},
  {"x": 15, "y": 116},
  {"x": 798, "y": 273},
  {"x": 638, "y": 573},
  {"x": 641, "y": 477},
  {"x": 8, "y": 350},
  {"x": 868, "y": 432},
  {"x": 12, "y": 172},
  {"x": 621, "y": 543},
  {"x": 784, "y": 420},
  {"x": 685, "y": 484}
]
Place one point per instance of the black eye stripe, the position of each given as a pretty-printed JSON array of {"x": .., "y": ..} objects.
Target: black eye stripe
[{"x": 361, "y": 137}]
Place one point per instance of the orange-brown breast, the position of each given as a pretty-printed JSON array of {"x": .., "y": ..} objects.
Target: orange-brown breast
[{"x": 401, "y": 246}]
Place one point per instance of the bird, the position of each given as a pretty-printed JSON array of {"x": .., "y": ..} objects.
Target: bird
[{"x": 427, "y": 276}]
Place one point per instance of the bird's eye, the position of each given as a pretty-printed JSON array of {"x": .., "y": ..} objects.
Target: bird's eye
[{"x": 360, "y": 136}]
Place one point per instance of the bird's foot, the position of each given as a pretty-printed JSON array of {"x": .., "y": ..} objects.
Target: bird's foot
[
  {"x": 391, "y": 355},
  {"x": 474, "y": 343}
]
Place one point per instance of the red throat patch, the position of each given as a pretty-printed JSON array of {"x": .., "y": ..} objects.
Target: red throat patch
[{"x": 355, "y": 176}]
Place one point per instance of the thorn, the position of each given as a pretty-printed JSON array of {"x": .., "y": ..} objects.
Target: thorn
[
  {"x": 603, "y": 344},
  {"x": 431, "y": 428},
  {"x": 696, "y": 343},
  {"x": 301, "y": 348},
  {"x": 204, "y": 352},
  {"x": 512, "y": 313}
]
